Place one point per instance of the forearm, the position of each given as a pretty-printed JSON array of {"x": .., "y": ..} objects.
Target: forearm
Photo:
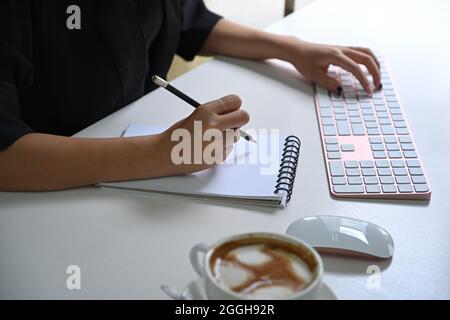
[
  {"x": 40, "y": 162},
  {"x": 231, "y": 39}
]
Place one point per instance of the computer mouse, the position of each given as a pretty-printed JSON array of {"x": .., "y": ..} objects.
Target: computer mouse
[{"x": 342, "y": 235}]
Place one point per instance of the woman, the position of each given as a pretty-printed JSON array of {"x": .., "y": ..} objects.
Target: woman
[{"x": 56, "y": 80}]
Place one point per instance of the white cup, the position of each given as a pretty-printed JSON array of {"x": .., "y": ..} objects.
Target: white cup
[{"x": 201, "y": 254}]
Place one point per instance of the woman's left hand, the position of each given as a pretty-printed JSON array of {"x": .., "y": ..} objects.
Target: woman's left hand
[{"x": 312, "y": 60}]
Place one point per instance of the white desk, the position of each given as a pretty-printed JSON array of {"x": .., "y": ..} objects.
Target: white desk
[{"x": 127, "y": 245}]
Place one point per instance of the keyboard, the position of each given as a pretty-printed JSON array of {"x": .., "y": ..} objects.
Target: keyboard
[{"x": 368, "y": 146}]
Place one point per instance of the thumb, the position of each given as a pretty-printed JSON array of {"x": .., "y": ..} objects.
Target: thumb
[{"x": 329, "y": 83}]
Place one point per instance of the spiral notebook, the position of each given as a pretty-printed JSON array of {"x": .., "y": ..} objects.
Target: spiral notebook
[{"x": 259, "y": 174}]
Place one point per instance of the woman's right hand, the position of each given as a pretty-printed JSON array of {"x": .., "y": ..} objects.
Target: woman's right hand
[{"x": 212, "y": 126}]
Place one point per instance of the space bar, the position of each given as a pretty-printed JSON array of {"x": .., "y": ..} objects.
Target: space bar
[{"x": 348, "y": 189}]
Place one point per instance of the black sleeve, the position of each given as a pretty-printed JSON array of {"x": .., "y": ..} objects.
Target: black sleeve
[
  {"x": 197, "y": 23},
  {"x": 15, "y": 69}
]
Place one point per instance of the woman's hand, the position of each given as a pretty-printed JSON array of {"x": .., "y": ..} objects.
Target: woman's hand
[
  {"x": 211, "y": 127},
  {"x": 312, "y": 60}
]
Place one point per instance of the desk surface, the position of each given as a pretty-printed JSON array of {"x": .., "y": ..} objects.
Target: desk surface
[{"x": 128, "y": 244}]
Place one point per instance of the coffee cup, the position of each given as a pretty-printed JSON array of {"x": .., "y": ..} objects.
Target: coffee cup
[{"x": 258, "y": 266}]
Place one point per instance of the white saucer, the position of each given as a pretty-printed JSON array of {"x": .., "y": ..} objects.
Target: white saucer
[{"x": 196, "y": 291}]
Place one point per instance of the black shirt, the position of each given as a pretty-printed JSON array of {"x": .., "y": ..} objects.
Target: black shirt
[{"x": 58, "y": 80}]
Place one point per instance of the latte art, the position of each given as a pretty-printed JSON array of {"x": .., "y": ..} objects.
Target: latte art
[{"x": 266, "y": 270}]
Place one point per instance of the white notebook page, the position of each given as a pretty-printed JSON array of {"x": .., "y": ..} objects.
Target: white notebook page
[{"x": 250, "y": 172}]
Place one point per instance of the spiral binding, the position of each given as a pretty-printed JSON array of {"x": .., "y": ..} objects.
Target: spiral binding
[{"x": 288, "y": 167}]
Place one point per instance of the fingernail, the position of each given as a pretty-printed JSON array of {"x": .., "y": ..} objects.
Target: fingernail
[
  {"x": 338, "y": 91},
  {"x": 380, "y": 86}
]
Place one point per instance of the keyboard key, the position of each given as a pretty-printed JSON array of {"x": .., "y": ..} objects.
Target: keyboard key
[
  {"x": 382, "y": 115},
  {"x": 368, "y": 172},
  {"x": 398, "y": 164},
  {"x": 407, "y": 147},
  {"x": 338, "y": 103},
  {"x": 379, "y": 155},
  {"x": 377, "y": 147},
  {"x": 370, "y": 125},
  {"x": 358, "y": 129},
  {"x": 366, "y": 164},
  {"x": 397, "y": 117},
  {"x": 343, "y": 128},
  {"x": 333, "y": 155},
  {"x": 367, "y": 112},
  {"x": 352, "y": 172},
  {"x": 327, "y": 121},
  {"x": 382, "y": 164},
  {"x": 413, "y": 163},
  {"x": 326, "y": 113},
  {"x": 329, "y": 130},
  {"x": 392, "y": 147},
  {"x": 390, "y": 139},
  {"x": 369, "y": 118},
  {"x": 353, "y": 113},
  {"x": 354, "y": 180},
  {"x": 338, "y": 180},
  {"x": 391, "y": 99},
  {"x": 402, "y": 131},
  {"x": 416, "y": 171},
  {"x": 365, "y": 105},
  {"x": 385, "y": 121},
  {"x": 384, "y": 172},
  {"x": 373, "y": 189},
  {"x": 405, "y": 139},
  {"x": 387, "y": 130},
  {"x": 347, "y": 147},
  {"x": 375, "y": 140},
  {"x": 386, "y": 180},
  {"x": 402, "y": 180},
  {"x": 418, "y": 179},
  {"x": 332, "y": 148},
  {"x": 351, "y": 164},
  {"x": 373, "y": 132},
  {"x": 336, "y": 169},
  {"x": 389, "y": 188},
  {"x": 405, "y": 188},
  {"x": 410, "y": 154},
  {"x": 421, "y": 188},
  {"x": 400, "y": 124},
  {"x": 349, "y": 189},
  {"x": 393, "y": 105},
  {"x": 370, "y": 180},
  {"x": 340, "y": 117},
  {"x": 339, "y": 111},
  {"x": 400, "y": 172},
  {"x": 331, "y": 141},
  {"x": 355, "y": 120},
  {"x": 395, "y": 154}
]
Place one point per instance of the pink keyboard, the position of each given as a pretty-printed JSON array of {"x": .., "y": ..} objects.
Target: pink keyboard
[{"x": 367, "y": 144}]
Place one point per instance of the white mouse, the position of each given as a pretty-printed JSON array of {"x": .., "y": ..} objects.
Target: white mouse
[{"x": 342, "y": 235}]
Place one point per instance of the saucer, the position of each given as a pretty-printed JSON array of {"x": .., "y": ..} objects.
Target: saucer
[{"x": 195, "y": 290}]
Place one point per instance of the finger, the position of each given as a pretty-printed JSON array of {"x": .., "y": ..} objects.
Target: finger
[
  {"x": 233, "y": 120},
  {"x": 330, "y": 83},
  {"x": 369, "y": 52},
  {"x": 225, "y": 104},
  {"x": 348, "y": 64},
  {"x": 368, "y": 61},
  {"x": 231, "y": 136}
]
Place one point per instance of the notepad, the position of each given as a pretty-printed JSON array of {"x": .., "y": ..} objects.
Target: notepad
[{"x": 260, "y": 174}]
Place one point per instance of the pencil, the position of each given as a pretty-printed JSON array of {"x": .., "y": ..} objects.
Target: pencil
[{"x": 166, "y": 85}]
